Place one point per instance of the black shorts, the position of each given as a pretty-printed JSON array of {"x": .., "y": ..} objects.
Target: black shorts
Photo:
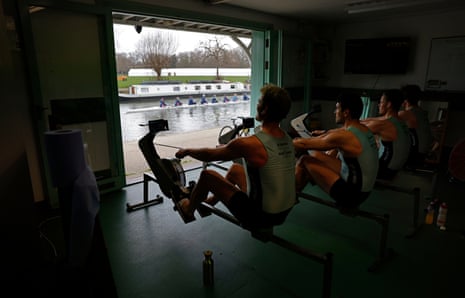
[
  {"x": 384, "y": 172},
  {"x": 250, "y": 213},
  {"x": 347, "y": 195},
  {"x": 416, "y": 160}
]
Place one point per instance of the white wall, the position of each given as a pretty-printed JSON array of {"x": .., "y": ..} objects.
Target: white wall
[{"x": 420, "y": 28}]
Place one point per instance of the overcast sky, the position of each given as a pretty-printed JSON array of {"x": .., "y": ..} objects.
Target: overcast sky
[{"x": 126, "y": 38}]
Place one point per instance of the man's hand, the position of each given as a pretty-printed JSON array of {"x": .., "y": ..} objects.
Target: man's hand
[
  {"x": 318, "y": 132},
  {"x": 182, "y": 153}
]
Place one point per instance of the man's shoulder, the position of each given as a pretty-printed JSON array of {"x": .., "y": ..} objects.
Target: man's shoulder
[
  {"x": 248, "y": 146},
  {"x": 378, "y": 120},
  {"x": 351, "y": 133},
  {"x": 359, "y": 127},
  {"x": 245, "y": 141},
  {"x": 405, "y": 115}
]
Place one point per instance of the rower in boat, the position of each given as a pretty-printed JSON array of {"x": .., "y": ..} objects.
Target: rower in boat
[
  {"x": 203, "y": 100},
  {"x": 178, "y": 102},
  {"x": 162, "y": 103},
  {"x": 191, "y": 101}
]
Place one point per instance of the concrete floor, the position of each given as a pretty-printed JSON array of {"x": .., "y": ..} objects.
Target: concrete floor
[{"x": 152, "y": 253}]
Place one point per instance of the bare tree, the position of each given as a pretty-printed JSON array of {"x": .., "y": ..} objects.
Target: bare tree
[
  {"x": 237, "y": 58},
  {"x": 247, "y": 48},
  {"x": 156, "y": 50},
  {"x": 125, "y": 61},
  {"x": 215, "y": 48}
]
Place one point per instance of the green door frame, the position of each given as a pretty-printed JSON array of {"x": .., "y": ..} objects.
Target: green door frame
[
  {"x": 273, "y": 55},
  {"x": 266, "y": 62}
]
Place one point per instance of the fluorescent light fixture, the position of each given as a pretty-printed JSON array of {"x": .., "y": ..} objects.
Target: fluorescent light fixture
[
  {"x": 362, "y": 6},
  {"x": 213, "y": 2},
  {"x": 33, "y": 9}
]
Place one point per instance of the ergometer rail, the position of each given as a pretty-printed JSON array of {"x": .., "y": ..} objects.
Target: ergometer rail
[
  {"x": 384, "y": 253},
  {"x": 170, "y": 177}
]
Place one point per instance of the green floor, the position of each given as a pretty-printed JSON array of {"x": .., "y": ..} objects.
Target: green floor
[{"x": 152, "y": 253}]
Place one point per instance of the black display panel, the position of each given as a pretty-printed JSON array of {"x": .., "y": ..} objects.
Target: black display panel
[{"x": 377, "y": 55}]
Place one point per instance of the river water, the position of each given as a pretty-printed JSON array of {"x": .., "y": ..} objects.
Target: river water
[{"x": 135, "y": 113}]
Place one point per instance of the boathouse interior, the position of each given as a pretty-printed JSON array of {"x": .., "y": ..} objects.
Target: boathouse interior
[{"x": 58, "y": 73}]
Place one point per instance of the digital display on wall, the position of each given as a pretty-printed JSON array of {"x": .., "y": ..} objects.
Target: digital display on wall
[{"x": 377, "y": 55}]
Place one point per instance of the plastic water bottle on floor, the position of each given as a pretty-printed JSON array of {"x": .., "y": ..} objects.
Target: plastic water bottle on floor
[
  {"x": 429, "y": 214},
  {"x": 208, "y": 269},
  {"x": 442, "y": 215}
]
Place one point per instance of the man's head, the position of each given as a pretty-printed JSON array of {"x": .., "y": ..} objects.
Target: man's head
[
  {"x": 391, "y": 100},
  {"x": 412, "y": 94},
  {"x": 274, "y": 104},
  {"x": 348, "y": 106}
]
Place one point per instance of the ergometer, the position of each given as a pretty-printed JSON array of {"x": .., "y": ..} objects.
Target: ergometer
[
  {"x": 414, "y": 192},
  {"x": 170, "y": 176},
  {"x": 301, "y": 127},
  {"x": 384, "y": 253}
]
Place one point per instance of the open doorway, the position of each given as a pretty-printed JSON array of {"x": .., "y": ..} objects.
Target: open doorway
[{"x": 162, "y": 62}]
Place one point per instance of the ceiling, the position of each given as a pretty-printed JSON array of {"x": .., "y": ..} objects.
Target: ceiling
[
  {"x": 337, "y": 10},
  {"x": 151, "y": 21},
  {"x": 311, "y": 11}
]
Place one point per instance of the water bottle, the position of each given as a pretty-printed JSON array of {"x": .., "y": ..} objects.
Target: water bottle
[
  {"x": 208, "y": 268},
  {"x": 442, "y": 215},
  {"x": 429, "y": 214},
  {"x": 431, "y": 210}
]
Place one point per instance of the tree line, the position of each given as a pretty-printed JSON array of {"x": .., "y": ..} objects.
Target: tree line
[{"x": 158, "y": 51}]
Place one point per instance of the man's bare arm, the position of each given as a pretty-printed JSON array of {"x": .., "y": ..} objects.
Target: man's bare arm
[
  {"x": 383, "y": 128},
  {"x": 247, "y": 147},
  {"x": 334, "y": 139}
]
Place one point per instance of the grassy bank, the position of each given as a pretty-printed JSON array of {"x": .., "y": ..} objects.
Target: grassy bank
[{"x": 136, "y": 80}]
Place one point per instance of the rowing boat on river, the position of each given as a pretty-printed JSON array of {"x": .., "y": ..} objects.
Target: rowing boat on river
[{"x": 184, "y": 106}]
